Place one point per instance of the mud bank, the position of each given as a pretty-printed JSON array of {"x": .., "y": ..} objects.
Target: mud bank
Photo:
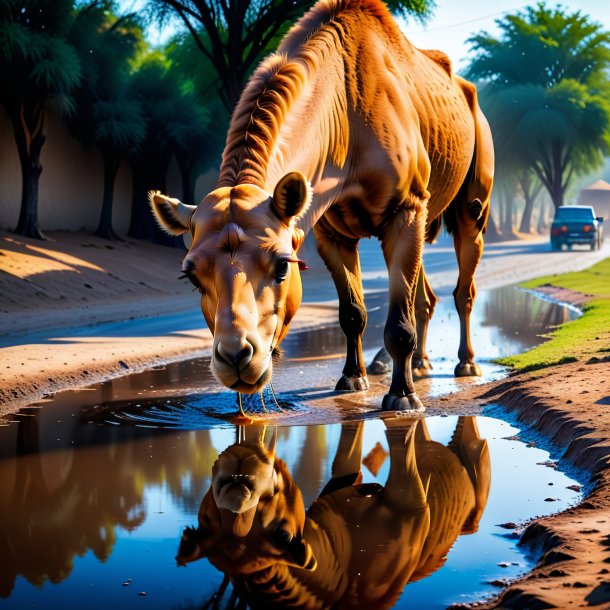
[{"x": 569, "y": 405}]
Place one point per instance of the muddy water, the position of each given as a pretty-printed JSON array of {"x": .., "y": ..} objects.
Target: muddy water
[{"x": 98, "y": 485}]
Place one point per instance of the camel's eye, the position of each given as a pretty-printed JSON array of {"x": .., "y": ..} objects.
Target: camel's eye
[{"x": 281, "y": 271}]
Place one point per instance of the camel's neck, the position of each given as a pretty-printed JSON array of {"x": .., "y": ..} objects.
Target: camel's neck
[{"x": 292, "y": 117}]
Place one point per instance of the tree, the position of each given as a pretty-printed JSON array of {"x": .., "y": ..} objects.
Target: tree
[
  {"x": 200, "y": 148},
  {"x": 107, "y": 119},
  {"x": 39, "y": 70},
  {"x": 175, "y": 120},
  {"x": 233, "y": 35},
  {"x": 546, "y": 84}
]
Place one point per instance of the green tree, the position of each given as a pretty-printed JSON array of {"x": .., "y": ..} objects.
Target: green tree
[
  {"x": 39, "y": 70},
  {"x": 233, "y": 35},
  {"x": 176, "y": 120},
  {"x": 546, "y": 91},
  {"x": 199, "y": 149},
  {"x": 107, "y": 118}
]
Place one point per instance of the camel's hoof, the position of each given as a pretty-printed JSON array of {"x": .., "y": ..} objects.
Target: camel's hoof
[
  {"x": 411, "y": 403},
  {"x": 421, "y": 367},
  {"x": 352, "y": 384},
  {"x": 468, "y": 369},
  {"x": 381, "y": 363}
]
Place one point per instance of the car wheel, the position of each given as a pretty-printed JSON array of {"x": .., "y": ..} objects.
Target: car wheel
[{"x": 593, "y": 244}]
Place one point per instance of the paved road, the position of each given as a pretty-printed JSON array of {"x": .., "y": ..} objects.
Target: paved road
[{"x": 502, "y": 264}]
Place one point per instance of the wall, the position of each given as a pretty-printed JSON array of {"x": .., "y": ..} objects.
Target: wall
[{"x": 71, "y": 183}]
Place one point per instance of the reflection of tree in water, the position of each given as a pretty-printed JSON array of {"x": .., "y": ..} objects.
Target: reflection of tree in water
[
  {"x": 58, "y": 504},
  {"x": 522, "y": 315}
]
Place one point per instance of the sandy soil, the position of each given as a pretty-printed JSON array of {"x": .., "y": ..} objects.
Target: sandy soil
[{"x": 78, "y": 279}]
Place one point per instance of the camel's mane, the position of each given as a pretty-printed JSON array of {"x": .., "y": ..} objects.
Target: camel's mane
[{"x": 276, "y": 84}]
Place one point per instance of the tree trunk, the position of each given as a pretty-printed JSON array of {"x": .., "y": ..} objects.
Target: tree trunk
[
  {"x": 530, "y": 189},
  {"x": 141, "y": 221},
  {"x": 507, "y": 219},
  {"x": 187, "y": 177},
  {"x": 29, "y": 148},
  {"x": 111, "y": 167},
  {"x": 149, "y": 174}
]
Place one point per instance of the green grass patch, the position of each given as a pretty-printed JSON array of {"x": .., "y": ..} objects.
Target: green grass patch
[{"x": 579, "y": 339}]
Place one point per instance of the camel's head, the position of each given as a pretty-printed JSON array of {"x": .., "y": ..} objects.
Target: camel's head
[
  {"x": 243, "y": 261},
  {"x": 252, "y": 517}
]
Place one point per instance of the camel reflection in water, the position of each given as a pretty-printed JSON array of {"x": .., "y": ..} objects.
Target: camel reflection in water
[{"x": 359, "y": 544}]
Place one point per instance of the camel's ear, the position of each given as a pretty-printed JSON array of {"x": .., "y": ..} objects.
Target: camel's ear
[
  {"x": 291, "y": 196},
  {"x": 173, "y": 216}
]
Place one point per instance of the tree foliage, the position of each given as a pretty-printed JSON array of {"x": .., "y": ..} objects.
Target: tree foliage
[
  {"x": 108, "y": 118},
  {"x": 233, "y": 35},
  {"x": 546, "y": 90},
  {"x": 39, "y": 70}
]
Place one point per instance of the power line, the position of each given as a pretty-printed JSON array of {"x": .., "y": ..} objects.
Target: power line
[{"x": 461, "y": 23}]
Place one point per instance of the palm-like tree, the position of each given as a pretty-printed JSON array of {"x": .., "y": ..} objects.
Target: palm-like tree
[
  {"x": 176, "y": 121},
  {"x": 108, "y": 118},
  {"x": 39, "y": 70},
  {"x": 233, "y": 35},
  {"x": 546, "y": 90}
]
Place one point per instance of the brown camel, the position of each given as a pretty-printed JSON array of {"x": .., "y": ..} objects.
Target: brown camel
[
  {"x": 359, "y": 544},
  {"x": 352, "y": 132}
]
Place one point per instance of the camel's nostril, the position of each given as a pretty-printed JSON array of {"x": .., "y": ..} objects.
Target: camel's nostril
[
  {"x": 243, "y": 357},
  {"x": 238, "y": 358}
]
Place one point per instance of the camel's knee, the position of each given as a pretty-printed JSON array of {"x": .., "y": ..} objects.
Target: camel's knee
[
  {"x": 424, "y": 310},
  {"x": 352, "y": 318},
  {"x": 400, "y": 338},
  {"x": 464, "y": 298}
]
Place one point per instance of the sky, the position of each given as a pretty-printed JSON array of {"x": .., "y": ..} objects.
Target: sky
[
  {"x": 451, "y": 25},
  {"x": 454, "y": 21}
]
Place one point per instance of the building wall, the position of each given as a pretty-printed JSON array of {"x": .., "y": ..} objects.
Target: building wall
[
  {"x": 600, "y": 200},
  {"x": 71, "y": 183}
]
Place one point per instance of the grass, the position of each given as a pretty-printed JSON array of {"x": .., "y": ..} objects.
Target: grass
[{"x": 583, "y": 338}]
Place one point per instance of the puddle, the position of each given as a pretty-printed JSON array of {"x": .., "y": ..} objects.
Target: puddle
[
  {"x": 97, "y": 516},
  {"x": 185, "y": 394},
  {"x": 99, "y": 484}
]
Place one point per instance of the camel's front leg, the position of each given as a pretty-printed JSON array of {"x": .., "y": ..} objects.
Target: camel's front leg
[
  {"x": 425, "y": 300},
  {"x": 341, "y": 257},
  {"x": 402, "y": 245}
]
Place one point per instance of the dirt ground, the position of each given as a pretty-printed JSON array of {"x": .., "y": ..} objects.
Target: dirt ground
[{"x": 78, "y": 279}]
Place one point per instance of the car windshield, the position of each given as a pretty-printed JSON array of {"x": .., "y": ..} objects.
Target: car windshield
[{"x": 580, "y": 214}]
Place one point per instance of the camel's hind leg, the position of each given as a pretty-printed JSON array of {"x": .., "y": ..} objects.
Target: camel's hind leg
[
  {"x": 341, "y": 258},
  {"x": 468, "y": 243},
  {"x": 425, "y": 300}
]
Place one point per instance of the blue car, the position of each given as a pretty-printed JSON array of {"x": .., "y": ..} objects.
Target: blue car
[{"x": 576, "y": 224}]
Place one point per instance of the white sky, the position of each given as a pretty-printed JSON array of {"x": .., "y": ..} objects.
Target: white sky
[{"x": 454, "y": 21}]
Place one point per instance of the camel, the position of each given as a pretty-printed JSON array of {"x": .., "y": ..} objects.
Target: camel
[
  {"x": 359, "y": 544},
  {"x": 350, "y": 131}
]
